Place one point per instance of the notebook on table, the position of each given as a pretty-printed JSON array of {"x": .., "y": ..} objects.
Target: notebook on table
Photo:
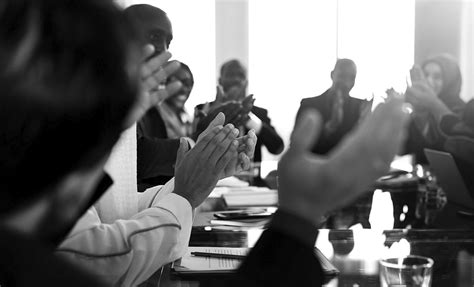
[
  {"x": 194, "y": 267},
  {"x": 449, "y": 178}
]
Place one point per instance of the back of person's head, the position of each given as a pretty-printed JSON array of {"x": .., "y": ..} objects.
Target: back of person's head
[
  {"x": 152, "y": 22},
  {"x": 344, "y": 74},
  {"x": 450, "y": 76},
  {"x": 343, "y": 63},
  {"x": 68, "y": 82}
]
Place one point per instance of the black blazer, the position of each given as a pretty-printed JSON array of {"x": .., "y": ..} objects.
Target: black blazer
[
  {"x": 323, "y": 104},
  {"x": 268, "y": 136},
  {"x": 156, "y": 155}
]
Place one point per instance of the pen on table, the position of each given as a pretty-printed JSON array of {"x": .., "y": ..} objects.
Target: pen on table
[{"x": 218, "y": 255}]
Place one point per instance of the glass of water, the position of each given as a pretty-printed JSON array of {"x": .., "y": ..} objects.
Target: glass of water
[{"x": 410, "y": 271}]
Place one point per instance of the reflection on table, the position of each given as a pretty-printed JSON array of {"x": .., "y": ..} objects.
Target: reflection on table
[
  {"x": 401, "y": 216},
  {"x": 356, "y": 252}
]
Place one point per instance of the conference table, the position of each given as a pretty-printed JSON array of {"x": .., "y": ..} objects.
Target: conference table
[
  {"x": 355, "y": 252},
  {"x": 354, "y": 239}
]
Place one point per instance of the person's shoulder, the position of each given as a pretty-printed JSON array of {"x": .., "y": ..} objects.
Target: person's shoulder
[
  {"x": 260, "y": 110},
  {"x": 312, "y": 101}
]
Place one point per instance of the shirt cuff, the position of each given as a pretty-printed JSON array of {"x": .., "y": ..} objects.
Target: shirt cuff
[
  {"x": 294, "y": 226},
  {"x": 254, "y": 123}
]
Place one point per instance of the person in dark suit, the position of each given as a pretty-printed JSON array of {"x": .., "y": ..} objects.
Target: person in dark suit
[
  {"x": 309, "y": 187},
  {"x": 339, "y": 111},
  {"x": 156, "y": 154},
  {"x": 232, "y": 87},
  {"x": 233, "y": 80}
]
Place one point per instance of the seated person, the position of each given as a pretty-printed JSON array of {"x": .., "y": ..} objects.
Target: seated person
[
  {"x": 41, "y": 117},
  {"x": 168, "y": 120},
  {"x": 155, "y": 156},
  {"x": 176, "y": 121},
  {"x": 311, "y": 186},
  {"x": 435, "y": 93},
  {"x": 233, "y": 81},
  {"x": 339, "y": 111},
  {"x": 86, "y": 111}
]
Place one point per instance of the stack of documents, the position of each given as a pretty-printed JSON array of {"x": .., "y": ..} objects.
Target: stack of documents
[
  {"x": 226, "y": 260},
  {"x": 191, "y": 264},
  {"x": 251, "y": 196}
]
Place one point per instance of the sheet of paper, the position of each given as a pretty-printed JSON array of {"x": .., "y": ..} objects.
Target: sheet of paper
[{"x": 197, "y": 263}]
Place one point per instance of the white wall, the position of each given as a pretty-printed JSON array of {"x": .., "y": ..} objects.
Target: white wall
[
  {"x": 467, "y": 50},
  {"x": 232, "y": 31},
  {"x": 292, "y": 49}
]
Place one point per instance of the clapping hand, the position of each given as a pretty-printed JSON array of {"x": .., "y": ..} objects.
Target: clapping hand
[
  {"x": 199, "y": 166},
  {"x": 311, "y": 185},
  {"x": 153, "y": 73}
]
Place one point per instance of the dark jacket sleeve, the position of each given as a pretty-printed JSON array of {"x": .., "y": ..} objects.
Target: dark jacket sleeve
[
  {"x": 155, "y": 156},
  {"x": 268, "y": 135},
  {"x": 283, "y": 256}
]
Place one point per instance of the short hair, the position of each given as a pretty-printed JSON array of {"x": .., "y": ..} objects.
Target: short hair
[
  {"x": 185, "y": 67},
  {"x": 231, "y": 65},
  {"x": 344, "y": 62},
  {"x": 147, "y": 17},
  {"x": 67, "y": 88}
]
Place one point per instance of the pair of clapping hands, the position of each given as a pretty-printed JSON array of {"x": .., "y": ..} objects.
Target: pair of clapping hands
[{"x": 219, "y": 151}]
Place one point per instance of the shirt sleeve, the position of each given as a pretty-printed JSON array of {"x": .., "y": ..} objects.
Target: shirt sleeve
[
  {"x": 128, "y": 252},
  {"x": 283, "y": 256}
]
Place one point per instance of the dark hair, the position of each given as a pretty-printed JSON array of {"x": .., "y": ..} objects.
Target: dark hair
[
  {"x": 185, "y": 67},
  {"x": 452, "y": 81},
  {"x": 343, "y": 62},
  {"x": 149, "y": 18},
  {"x": 66, "y": 90},
  {"x": 232, "y": 65}
]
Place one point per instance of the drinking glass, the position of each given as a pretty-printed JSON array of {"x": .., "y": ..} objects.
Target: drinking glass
[{"x": 410, "y": 271}]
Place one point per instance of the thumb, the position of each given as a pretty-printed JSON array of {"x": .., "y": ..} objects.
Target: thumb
[
  {"x": 219, "y": 120},
  {"x": 182, "y": 150},
  {"x": 219, "y": 93},
  {"x": 306, "y": 131}
]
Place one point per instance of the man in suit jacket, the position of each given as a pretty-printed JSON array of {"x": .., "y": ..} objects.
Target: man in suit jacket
[
  {"x": 340, "y": 113},
  {"x": 233, "y": 80},
  {"x": 156, "y": 155}
]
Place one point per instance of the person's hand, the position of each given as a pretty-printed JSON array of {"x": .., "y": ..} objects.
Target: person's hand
[
  {"x": 421, "y": 96},
  {"x": 198, "y": 170},
  {"x": 246, "y": 148},
  {"x": 153, "y": 73},
  {"x": 311, "y": 185}
]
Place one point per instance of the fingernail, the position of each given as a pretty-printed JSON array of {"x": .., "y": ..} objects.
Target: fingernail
[
  {"x": 235, "y": 143},
  {"x": 235, "y": 132}
]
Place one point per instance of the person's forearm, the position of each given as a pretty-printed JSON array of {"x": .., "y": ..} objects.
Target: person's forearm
[{"x": 128, "y": 252}]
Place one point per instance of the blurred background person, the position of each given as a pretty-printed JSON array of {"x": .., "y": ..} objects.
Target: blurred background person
[
  {"x": 435, "y": 93},
  {"x": 173, "y": 115},
  {"x": 233, "y": 81},
  {"x": 339, "y": 111}
]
